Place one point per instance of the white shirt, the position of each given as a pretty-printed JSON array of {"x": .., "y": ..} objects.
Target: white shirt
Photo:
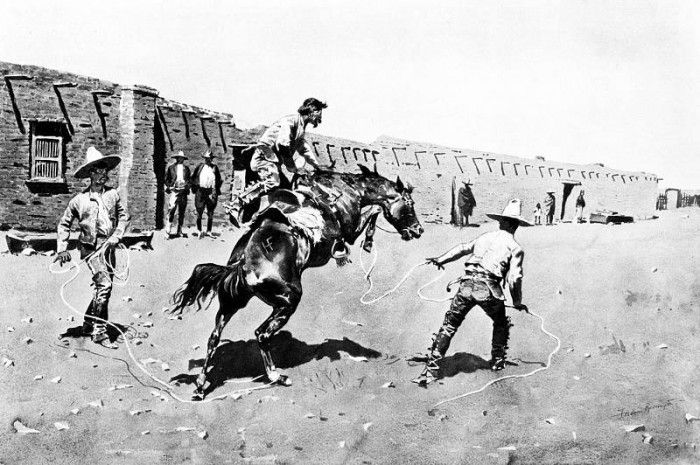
[
  {"x": 288, "y": 132},
  {"x": 206, "y": 177},
  {"x": 180, "y": 176}
]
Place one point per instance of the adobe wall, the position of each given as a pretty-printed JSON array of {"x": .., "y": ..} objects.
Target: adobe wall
[
  {"x": 496, "y": 178},
  {"x": 122, "y": 121},
  {"x": 146, "y": 130},
  {"x": 34, "y": 206}
]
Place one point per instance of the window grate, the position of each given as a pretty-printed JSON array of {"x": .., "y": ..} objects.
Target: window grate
[{"x": 47, "y": 158}]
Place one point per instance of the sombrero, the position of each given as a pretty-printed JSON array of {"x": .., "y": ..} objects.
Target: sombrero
[
  {"x": 179, "y": 154},
  {"x": 512, "y": 211},
  {"x": 95, "y": 159}
]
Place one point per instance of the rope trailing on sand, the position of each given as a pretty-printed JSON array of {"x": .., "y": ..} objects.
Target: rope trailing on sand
[
  {"x": 121, "y": 279},
  {"x": 368, "y": 273}
]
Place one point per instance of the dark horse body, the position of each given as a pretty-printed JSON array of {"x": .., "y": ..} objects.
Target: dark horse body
[{"x": 268, "y": 260}]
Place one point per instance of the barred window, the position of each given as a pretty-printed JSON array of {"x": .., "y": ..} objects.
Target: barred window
[
  {"x": 47, "y": 151},
  {"x": 47, "y": 158}
]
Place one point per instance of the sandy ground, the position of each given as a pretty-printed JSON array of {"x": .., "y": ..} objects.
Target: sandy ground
[{"x": 613, "y": 294}]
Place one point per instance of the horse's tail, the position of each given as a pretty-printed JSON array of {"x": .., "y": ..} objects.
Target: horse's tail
[{"x": 204, "y": 280}]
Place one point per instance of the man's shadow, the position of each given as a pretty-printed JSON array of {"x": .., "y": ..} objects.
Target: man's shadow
[
  {"x": 461, "y": 362},
  {"x": 242, "y": 359},
  {"x": 114, "y": 334}
]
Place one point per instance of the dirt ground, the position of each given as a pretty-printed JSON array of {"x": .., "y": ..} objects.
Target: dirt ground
[{"x": 613, "y": 294}]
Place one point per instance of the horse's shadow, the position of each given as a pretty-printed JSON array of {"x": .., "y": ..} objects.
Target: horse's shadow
[{"x": 242, "y": 359}]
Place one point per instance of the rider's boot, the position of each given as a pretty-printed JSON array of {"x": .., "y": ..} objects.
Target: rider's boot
[{"x": 234, "y": 209}]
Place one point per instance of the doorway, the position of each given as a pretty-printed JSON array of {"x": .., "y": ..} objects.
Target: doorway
[
  {"x": 159, "y": 165},
  {"x": 568, "y": 187}
]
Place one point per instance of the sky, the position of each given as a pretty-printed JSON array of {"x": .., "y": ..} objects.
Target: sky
[{"x": 580, "y": 81}]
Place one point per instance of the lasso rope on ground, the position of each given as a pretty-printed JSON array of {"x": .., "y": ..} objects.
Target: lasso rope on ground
[
  {"x": 122, "y": 277},
  {"x": 368, "y": 272}
]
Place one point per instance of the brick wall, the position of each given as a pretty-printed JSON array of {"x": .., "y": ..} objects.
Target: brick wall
[
  {"x": 38, "y": 206},
  {"x": 146, "y": 129},
  {"x": 496, "y": 178}
]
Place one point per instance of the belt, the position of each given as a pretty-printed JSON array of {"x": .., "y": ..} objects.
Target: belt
[{"x": 473, "y": 274}]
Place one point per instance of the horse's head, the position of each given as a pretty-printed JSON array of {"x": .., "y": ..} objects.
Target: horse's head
[{"x": 398, "y": 210}]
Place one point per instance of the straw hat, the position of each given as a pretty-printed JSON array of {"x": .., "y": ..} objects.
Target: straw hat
[
  {"x": 208, "y": 154},
  {"x": 513, "y": 212},
  {"x": 95, "y": 159},
  {"x": 179, "y": 154}
]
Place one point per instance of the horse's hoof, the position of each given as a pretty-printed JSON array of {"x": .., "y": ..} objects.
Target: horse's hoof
[
  {"x": 284, "y": 381},
  {"x": 198, "y": 396},
  {"x": 279, "y": 379}
]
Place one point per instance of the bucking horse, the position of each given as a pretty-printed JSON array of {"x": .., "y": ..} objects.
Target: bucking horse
[{"x": 300, "y": 228}]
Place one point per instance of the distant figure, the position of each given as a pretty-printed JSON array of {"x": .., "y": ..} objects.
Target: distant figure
[
  {"x": 177, "y": 184},
  {"x": 494, "y": 260},
  {"x": 538, "y": 214},
  {"x": 466, "y": 203},
  {"x": 206, "y": 184},
  {"x": 102, "y": 220},
  {"x": 580, "y": 204},
  {"x": 550, "y": 204}
]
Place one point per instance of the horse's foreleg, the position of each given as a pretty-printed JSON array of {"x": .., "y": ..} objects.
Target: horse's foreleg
[
  {"x": 202, "y": 384},
  {"x": 369, "y": 232}
]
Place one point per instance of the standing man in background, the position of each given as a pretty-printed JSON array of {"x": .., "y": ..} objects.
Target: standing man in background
[
  {"x": 465, "y": 202},
  {"x": 550, "y": 204},
  {"x": 177, "y": 184},
  {"x": 206, "y": 184},
  {"x": 580, "y": 204}
]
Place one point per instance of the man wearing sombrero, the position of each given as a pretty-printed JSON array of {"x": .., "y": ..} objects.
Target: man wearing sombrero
[
  {"x": 465, "y": 202},
  {"x": 177, "y": 185},
  {"x": 206, "y": 183},
  {"x": 550, "y": 205},
  {"x": 102, "y": 220},
  {"x": 495, "y": 260}
]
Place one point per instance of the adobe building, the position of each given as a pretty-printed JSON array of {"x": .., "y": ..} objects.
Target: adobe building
[
  {"x": 437, "y": 172},
  {"x": 49, "y": 118}
]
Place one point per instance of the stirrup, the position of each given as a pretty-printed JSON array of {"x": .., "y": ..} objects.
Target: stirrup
[{"x": 340, "y": 252}]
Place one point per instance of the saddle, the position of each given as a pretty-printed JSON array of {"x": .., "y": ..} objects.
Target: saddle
[{"x": 283, "y": 203}]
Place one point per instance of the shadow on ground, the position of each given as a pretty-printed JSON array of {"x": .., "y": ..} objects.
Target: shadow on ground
[{"x": 242, "y": 359}]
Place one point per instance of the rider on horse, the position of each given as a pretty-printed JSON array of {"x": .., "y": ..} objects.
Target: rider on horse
[{"x": 277, "y": 147}]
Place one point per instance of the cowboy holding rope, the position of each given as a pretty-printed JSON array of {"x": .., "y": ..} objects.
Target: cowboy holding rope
[
  {"x": 494, "y": 258},
  {"x": 103, "y": 220}
]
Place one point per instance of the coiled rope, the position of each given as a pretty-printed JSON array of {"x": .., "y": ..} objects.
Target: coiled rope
[{"x": 121, "y": 279}]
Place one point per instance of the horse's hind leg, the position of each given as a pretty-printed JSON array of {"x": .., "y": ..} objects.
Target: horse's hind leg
[
  {"x": 286, "y": 306},
  {"x": 228, "y": 306}
]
